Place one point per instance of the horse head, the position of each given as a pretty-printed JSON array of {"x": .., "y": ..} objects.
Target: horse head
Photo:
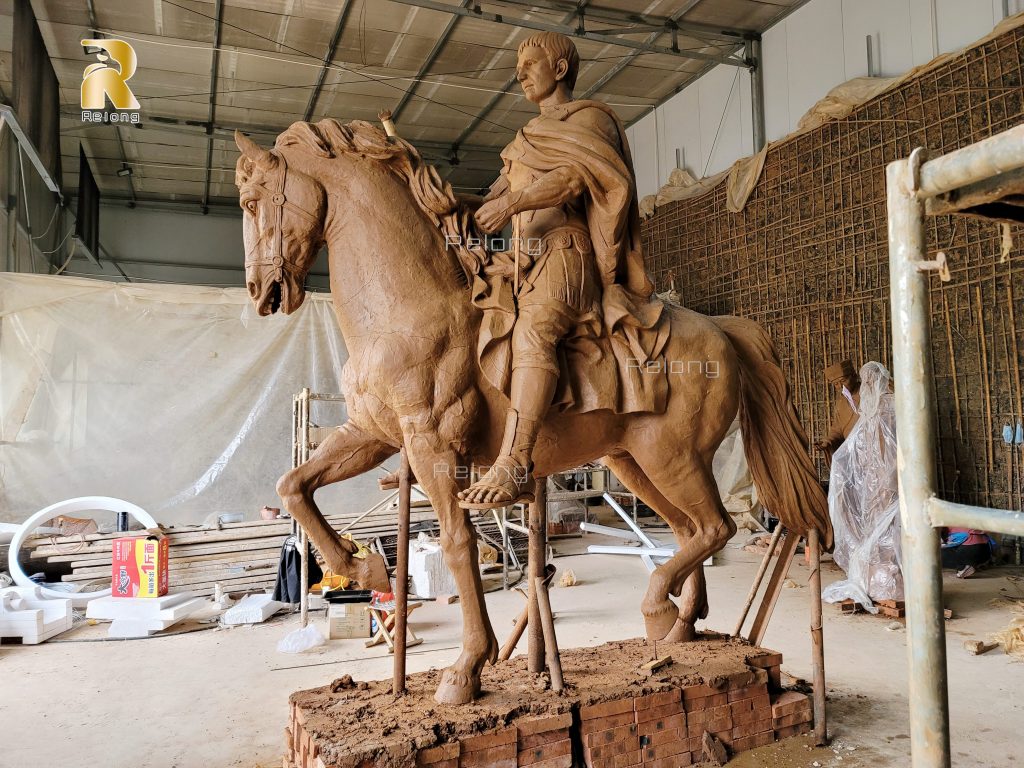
[{"x": 283, "y": 226}]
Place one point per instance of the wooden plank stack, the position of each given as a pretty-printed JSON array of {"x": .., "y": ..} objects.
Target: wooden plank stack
[
  {"x": 894, "y": 609},
  {"x": 238, "y": 556}
]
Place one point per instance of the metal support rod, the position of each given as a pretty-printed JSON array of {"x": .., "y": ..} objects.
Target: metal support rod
[
  {"x": 948, "y": 514},
  {"x": 915, "y": 425},
  {"x": 998, "y": 154},
  {"x": 550, "y": 642},
  {"x": 332, "y": 48},
  {"x": 537, "y": 546},
  {"x": 214, "y": 66},
  {"x": 753, "y": 55},
  {"x": 565, "y": 29},
  {"x": 611, "y": 502},
  {"x": 817, "y": 640},
  {"x": 303, "y": 538},
  {"x": 772, "y": 546},
  {"x": 402, "y": 572}
]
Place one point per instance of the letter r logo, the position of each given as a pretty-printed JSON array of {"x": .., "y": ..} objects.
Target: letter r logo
[{"x": 109, "y": 78}]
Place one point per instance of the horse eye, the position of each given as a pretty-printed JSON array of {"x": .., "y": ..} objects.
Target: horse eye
[{"x": 250, "y": 205}]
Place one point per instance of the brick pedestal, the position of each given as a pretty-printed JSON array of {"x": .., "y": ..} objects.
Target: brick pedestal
[{"x": 643, "y": 723}]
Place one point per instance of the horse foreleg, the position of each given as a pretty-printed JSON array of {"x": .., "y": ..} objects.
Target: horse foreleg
[
  {"x": 347, "y": 452},
  {"x": 436, "y": 467},
  {"x": 683, "y": 492}
]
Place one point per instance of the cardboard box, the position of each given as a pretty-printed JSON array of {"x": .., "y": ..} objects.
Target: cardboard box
[
  {"x": 347, "y": 620},
  {"x": 139, "y": 567}
]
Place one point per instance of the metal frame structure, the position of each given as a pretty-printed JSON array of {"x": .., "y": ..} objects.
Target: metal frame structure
[{"x": 969, "y": 177}]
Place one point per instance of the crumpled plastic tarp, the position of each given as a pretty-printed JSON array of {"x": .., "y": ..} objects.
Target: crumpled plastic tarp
[
  {"x": 863, "y": 499},
  {"x": 176, "y": 398}
]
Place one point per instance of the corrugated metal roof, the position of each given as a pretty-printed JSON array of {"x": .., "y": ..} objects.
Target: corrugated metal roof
[{"x": 271, "y": 56}]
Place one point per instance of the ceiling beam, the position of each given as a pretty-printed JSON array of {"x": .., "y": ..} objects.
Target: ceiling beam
[
  {"x": 332, "y": 48},
  {"x": 579, "y": 31},
  {"x": 714, "y": 32},
  {"x": 214, "y": 65},
  {"x": 614, "y": 71},
  {"x": 428, "y": 62}
]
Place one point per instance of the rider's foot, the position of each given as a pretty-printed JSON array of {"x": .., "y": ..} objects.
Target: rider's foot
[{"x": 506, "y": 482}]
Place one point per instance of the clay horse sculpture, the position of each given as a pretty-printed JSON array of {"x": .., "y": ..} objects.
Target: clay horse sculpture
[{"x": 549, "y": 354}]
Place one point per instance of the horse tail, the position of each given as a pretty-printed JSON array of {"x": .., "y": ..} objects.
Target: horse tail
[{"x": 774, "y": 441}]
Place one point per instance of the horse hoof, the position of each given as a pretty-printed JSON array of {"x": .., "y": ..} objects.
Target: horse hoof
[
  {"x": 456, "y": 688},
  {"x": 682, "y": 632},
  {"x": 372, "y": 573},
  {"x": 660, "y": 621}
]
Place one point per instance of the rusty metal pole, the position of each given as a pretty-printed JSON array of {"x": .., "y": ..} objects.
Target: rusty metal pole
[
  {"x": 537, "y": 547},
  {"x": 402, "y": 572},
  {"x": 817, "y": 640}
]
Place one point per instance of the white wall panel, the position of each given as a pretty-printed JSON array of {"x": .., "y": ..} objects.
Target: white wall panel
[{"x": 808, "y": 53}]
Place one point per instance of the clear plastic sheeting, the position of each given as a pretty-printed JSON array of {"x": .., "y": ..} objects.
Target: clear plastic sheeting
[
  {"x": 176, "y": 398},
  {"x": 864, "y": 501},
  {"x": 732, "y": 474}
]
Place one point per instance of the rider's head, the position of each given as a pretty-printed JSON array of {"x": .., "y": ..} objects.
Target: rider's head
[{"x": 548, "y": 63}]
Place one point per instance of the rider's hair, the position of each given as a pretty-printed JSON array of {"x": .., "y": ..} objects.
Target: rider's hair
[{"x": 558, "y": 46}]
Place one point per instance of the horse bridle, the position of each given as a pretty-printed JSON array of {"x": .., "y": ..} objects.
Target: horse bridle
[{"x": 280, "y": 202}]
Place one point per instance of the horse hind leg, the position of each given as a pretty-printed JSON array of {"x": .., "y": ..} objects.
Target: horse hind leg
[
  {"x": 682, "y": 490},
  {"x": 347, "y": 452}
]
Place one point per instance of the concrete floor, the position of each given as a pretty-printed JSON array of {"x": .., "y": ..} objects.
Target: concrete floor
[{"x": 217, "y": 698}]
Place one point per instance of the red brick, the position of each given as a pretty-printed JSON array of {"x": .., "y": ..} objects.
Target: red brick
[
  {"x": 542, "y": 724},
  {"x": 659, "y": 713},
  {"x": 762, "y": 700},
  {"x": 764, "y": 738},
  {"x": 789, "y": 702},
  {"x": 492, "y": 757},
  {"x": 431, "y": 755},
  {"x": 547, "y": 752},
  {"x": 681, "y": 760},
  {"x": 564, "y": 761},
  {"x": 657, "y": 699},
  {"x": 450, "y": 763},
  {"x": 707, "y": 715},
  {"x": 663, "y": 737},
  {"x": 706, "y": 702},
  {"x": 719, "y": 726},
  {"x": 666, "y": 750},
  {"x": 766, "y": 660},
  {"x": 632, "y": 744},
  {"x": 737, "y": 694},
  {"x": 486, "y": 741},
  {"x": 672, "y": 722},
  {"x": 606, "y": 723},
  {"x": 795, "y": 719},
  {"x": 792, "y": 730},
  {"x": 605, "y": 709},
  {"x": 619, "y": 761},
  {"x": 611, "y": 735},
  {"x": 699, "y": 692},
  {"x": 540, "y": 739},
  {"x": 741, "y": 707}
]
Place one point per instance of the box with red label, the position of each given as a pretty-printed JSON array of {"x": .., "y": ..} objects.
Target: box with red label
[{"x": 139, "y": 567}]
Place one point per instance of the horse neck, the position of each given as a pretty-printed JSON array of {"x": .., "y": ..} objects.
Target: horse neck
[{"x": 390, "y": 271}]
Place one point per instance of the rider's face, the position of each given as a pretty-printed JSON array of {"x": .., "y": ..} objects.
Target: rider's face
[{"x": 537, "y": 74}]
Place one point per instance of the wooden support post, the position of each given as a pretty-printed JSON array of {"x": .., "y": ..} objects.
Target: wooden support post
[
  {"x": 402, "y": 573},
  {"x": 817, "y": 640},
  {"x": 773, "y": 589},
  {"x": 537, "y": 546},
  {"x": 521, "y": 622},
  {"x": 772, "y": 546},
  {"x": 550, "y": 643}
]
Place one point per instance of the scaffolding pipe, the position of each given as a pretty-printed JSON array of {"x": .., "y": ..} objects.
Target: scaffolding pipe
[
  {"x": 915, "y": 427},
  {"x": 948, "y": 514},
  {"x": 753, "y": 56},
  {"x": 977, "y": 162}
]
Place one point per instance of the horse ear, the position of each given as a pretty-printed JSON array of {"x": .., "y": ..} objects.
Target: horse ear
[{"x": 254, "y": 151}]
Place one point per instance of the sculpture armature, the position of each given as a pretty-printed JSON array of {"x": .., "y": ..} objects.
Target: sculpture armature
[{"x": 430, "y": 321}]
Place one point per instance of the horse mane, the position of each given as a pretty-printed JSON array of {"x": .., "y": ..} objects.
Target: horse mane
[{"x": 433, "y": 195}]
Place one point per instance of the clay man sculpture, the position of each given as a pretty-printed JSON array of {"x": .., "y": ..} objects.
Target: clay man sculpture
[
  {"x": 567, "y": 186},
  {"x": 843, "y": 377},
  {"x": 446, "y": 341}
]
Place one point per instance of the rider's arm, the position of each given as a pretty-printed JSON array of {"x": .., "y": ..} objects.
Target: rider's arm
[
  {"x": 498, "y": 188},
  {"x": 550, "y": 190}
]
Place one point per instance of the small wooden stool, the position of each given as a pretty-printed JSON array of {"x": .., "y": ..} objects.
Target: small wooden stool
[{"x": 386, "y": 625}]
